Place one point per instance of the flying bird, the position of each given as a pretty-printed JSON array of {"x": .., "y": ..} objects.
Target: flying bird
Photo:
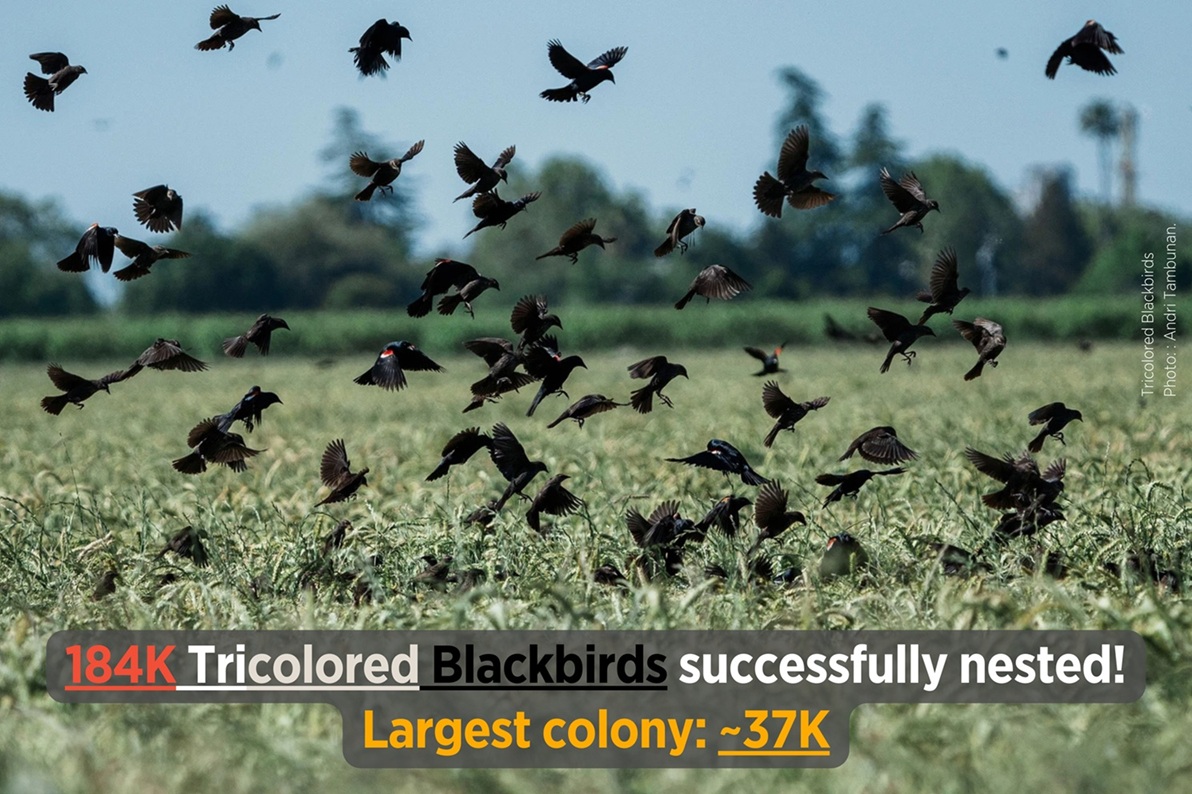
[
  {"x": 335, "y": 470},
  {"x": 769, "y": 360},
  {"x": 942, "y": 293},
  {"x": 987, "y": 337},
  {"x": 1054, "y": 417},
  {"x": 228, "y": 27},
  {"x": 40, "y": 91},
  {"x": 899, "y": 333},
  {"x": 445, "y": 274},
  {"x": 143, "y": 256},
  {"x": 683, "y": 224},
  {"x": 459, "y": 449},
  {"x": 158, "y": 208},
  {"x": 880, "y": 445},
  {"x": 249, "y": 409},
  {"x": 259, "y": 334},
  {"x": 466, "y": 294},
  {"x": 1085, "y": 50},
  {"x": 576, "y": 239},
  {"x": 492, "y": 210},
  {"x": 723, "y": 456},
  {"x": 97, "y": 243},
  {"x": 660, "y": 372},
  {"x": 382, "y": 38},
  {"x": 379, "y": 173},
  {"x": 908, "y": 198},
  {"x": 586, "y": 407},
  {"x": 389, "y": 370},
  {"x": 715, "y": 281},
  {"x": 724, "y": 515},
  {"x": 209, "y": 444},
  {"x": 544, "y": 361},
  {"x": 771, "y": 516},
  {"x": 187, "y": 542},
  {"x": 1025, "y": 486},
  {"x": 553, "y": 500},
  {"x": 850, "y": 484},
  {"x": 75, "y": 388},
  {"x": 482, "y": 178},
  {"x": 583, "y": 78},
  {"x": 794, "y": 182},
  {"x": 511, "y": 460},
  {"x": 165, "y": 354},
  {"x": 531, "y": 319},
  {"x": 785, "y": 411}
]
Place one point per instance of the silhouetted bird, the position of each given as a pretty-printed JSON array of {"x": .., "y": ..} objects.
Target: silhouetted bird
[
  {"x": 899, "y": 333},
  {"x": 683, "y": 224},
  {"x": 382, "y": 38},
  {"x": 769, "y": 360},
  {"x": 228, "y": 27},
  {"x": 553, "y": 500},
  {"x": 188, "y": 542},
  {"x": 723, "y": 456},
  {"x": 492, "y": 210},
  {"x": 491, "y": 388},
  {"x": 880, "y": 445},
  {"x": 381, "y": 174},
  {"x": 143, "y": 256},
  {"x": 249, "y": 409},
  {"x": 511, "y": 460},
  {"x": 785, "y": 411},
  {"x": 576, "y": 239},
  {"x": 446, "y": 273},
  {"x": 1024, "y": 485},
  {"x": 335, "y": 470},
  {"x": 843, "y": 556},
  {"x": 158, "y": 208},
  {"x": 660, "y": 372},
  {"x": 987, "y": 337},
  {"x": 531, "y": 319},
  {"x": 466, "y": 294},
  {"x": 165, "y": 354},
  {"x": 481, "y": 177},
  {"x": 942, "y": 292},
  {"x": 258, "y": 334},
  {"x": 1084, "y": 50},
  {"x": 461, "y": 447},
  {"x": 724, "y": 515},
  {"x": 583, "y": 78},
  {"x": 908, "y": 198},
  {"x": 586, "y": 407},
  {"x": 389, "y": 370},
  {"x": 1054, "y": 417},
  {"x": 850, "y": 484},
  {"x": 98, "y": 243},
  {"x": 715, "y": 281},
  {"x": 544, "y": 361},
  {"x": 771, "y": 516},
  {"x": 76, "y": 389},
  {"x": 794, "y": 183},
  {"x": 41, "y": 91},
  {"x": 209, "y": 444}
]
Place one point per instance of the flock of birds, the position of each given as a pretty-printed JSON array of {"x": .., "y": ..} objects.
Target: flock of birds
[{"x": 1028, "y": 498}]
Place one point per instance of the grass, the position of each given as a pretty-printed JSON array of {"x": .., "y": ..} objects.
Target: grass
[{"x": 94, "y": 488}]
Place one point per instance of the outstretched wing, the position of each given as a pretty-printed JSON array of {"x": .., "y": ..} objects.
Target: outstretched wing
[
  {"x": 564, "y": 62},
  {"x": 792, "y": 159}
]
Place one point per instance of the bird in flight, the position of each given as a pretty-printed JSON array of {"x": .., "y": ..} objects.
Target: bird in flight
[
  {"x": 1085, "y": 50},
  {"x": 583, "y": 78}
]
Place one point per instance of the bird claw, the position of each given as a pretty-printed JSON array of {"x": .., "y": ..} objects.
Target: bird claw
[
  {"x": 1058, "y": 436},
  {"x": 909, "y": 356},
  {"x": 666, "y": 400},
  {"x": 584, "y": 96}
]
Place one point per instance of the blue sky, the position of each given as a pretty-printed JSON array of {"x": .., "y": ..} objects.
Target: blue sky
[{"x": 690, "y": 121}]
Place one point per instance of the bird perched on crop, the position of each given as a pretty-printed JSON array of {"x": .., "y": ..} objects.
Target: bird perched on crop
[
  {"x": 586, "y": 407},
  {"x": 165, "y": 354},
  {"x": 660, "y": 372},
  {"x": 382, "y": 38},
  {"x": 683, "y": 224},
  {"x": 481, "y": 177},
  {"x": 40, "y": 91},
  {"x": 97, "y": 243},
  {"x": 187, "y": 542},
  {"x": 899, "y": 333},
  {"x": 544, "y": 361},
  {"x": 143, "y": 256},
  {"x": 228, "y": 27},
  {"x": 850, "y": 484},
  {"x": 259, "y": 334},
  {"x": 553, "y": 500},
  {"x": 389, "y": 370},
  {"x": 715, "y": 281},
  {"x": 843, "y": 556},
  {"x": 908, "y": 198},
  {"x": 794, "y": 182},
  {"x": 942, "y": 293},
  {"x": 1024, "y": 486},
  {"x": 445, "y": 274},
  {"x": 769, "y": 360},
  {"x": 723, "y": 456},
  {"x": 1085, "y": 50},
  {"x": 510, "y": 458},
  {"x": 531, "y": 319},
  {"x": 1054, "y": 417},
  {"x": 987, "y": 337},
  {"x": 785, "y": 411},
  {"x": 954, "y": 560},
  {"x": 583, "y": 78},
  {"x": 880, "y": 445},
  {"x": 209, "y": 444},
  {"x": 436, "y": 573},
  {"x": 379, "y": 173},
  {"x": 335, "y": 470},
  {"x": 158, "y": 208},
  {"x": 459, "y": 449},
  {"x": 75, "y": 388},
  {"x": 724, "y": 515},
  {"x": 249, "y": 409},
  {"x": 492, "y": 210},
  {"x": 771, "y": 516},
  {"x": 105, "y": 584},
  {"x": 576, "y": 239}
]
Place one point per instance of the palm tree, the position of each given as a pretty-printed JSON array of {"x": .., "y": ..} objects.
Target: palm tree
[{"x": 1101, "y": 120}]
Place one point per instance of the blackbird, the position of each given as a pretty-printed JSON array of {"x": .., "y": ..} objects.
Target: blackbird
[
  {"x": 228, "y": 27},
  {"x": 908, "y": 198},
  {"x": 850, "y": 484},
  {"x": 660, "y": 372},
  {"x": 76, "y": 389},
  {"x": 553, "y": 500},
  {"x": 98, "y": 243},
  {"x": 771, "y": 516},
  {"x": 942, "y": 293},
  {"x": 576, "y": 239},
  {"x": 1085, "y": 50},
  {"x": 586, "y": 407},
  {"x": 769, "y": 361},
  {"x": 158, "y": 208},
  {"x": 794, "y": 182},
  {"x": 481, "y": 177},
  {"x": 724, "y": 515},
  {"x": 209, "y": 444},
  {"x": 188, "y": 542},
  {"x": 143, "y": 256},
  {"x": 382, "y": 38},
  {"x": 880, "y": 445},
  {"x": 250, "y": 409},
  {"x": 987, "y": 337},
  {"x": 544, "y": 361},
  {"x": 461, "y": 446},
  {"x": 335, "y": 470},
  {"x": 715, "y": 281},
  {"x": 511, "y": 460},
  {"x": 899, "y": 333},
  {"x": 40, "y": 91},
  {"x": 445, "y": 274},
  {"x": 583, "y": 78},
  {"x": 258, "y": 334},
  {"x": 683, "y": 224},
  {"x": 380, "y": 173},
  {"x": 492, "y": 210},
  {"x": 843, "y": 556},
  {"x": 1054, "y": 417},
  {"x": 785, "y": 411},
  {"x": 389, "y": 370},
  {"x": 723, "y": 456}
]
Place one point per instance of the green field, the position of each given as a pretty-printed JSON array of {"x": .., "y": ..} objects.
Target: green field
[{"x": 94, "y": 488}]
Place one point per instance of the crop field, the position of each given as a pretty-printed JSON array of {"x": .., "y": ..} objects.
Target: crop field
[{"x": 93, "y": 490}]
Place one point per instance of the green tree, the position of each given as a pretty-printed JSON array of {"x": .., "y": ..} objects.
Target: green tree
[
  {"x": 1056, "y": 248},
  {"x": 1100, "y": 120},
  {"x": 32, "y": 238}
]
